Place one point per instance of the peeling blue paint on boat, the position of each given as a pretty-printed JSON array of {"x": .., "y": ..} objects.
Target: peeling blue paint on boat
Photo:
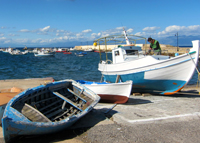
[{"x": 14, "y": 123}]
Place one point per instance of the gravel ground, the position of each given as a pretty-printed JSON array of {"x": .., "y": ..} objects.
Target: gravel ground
[
  {"x": 98, "y": 127},
  {"x": 107, "y": 131},
  {"x": 179, "y": 132}
]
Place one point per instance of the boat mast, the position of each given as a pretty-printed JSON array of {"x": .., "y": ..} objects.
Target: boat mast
[{"x": 127, "y": 40}]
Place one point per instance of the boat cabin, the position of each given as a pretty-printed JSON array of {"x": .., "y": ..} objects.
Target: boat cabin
[
  {"x": 128, "y": 53},
  {"x": 124, "y": 53}
]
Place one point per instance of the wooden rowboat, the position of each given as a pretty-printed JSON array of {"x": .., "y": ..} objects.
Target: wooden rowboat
[{"x": 47, "y": 109}]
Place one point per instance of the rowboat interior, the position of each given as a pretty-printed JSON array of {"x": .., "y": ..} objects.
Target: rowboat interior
[{"x": 53, "y": 103}]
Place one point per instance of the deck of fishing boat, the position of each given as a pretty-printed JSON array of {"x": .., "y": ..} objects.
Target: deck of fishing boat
[{"x": 150, "y": 118}]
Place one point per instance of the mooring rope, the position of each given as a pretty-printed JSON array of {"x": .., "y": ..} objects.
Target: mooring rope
[{"x": 196, "y": 70}]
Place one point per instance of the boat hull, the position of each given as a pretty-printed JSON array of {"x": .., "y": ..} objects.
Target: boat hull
[
  {"x": 47, "y": 109},
  {"x": 2, "y": 108},
  {"x": 152, "y": 75},
  {"x": 110, "y": 92},
  {"x": 44, "y": 55},
  {"x": 67, "y": 53},
  {"x": 117, "y": 99}
]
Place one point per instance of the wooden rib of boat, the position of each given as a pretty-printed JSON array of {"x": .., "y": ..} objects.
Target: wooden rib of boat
[
  {"x": 110, "y": 92},
  {"x": 47, "y": 109}
]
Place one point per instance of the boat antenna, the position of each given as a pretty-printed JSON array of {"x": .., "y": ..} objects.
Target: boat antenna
[{"x": 127, "y": 40}]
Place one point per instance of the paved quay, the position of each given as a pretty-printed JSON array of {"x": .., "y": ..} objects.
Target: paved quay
[{"x": 148, "y": 118}]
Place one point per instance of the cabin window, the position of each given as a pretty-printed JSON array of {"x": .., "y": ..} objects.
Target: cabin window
[
  {"x": 131, "y": 52},
  {"x": 116, "y": 53}
]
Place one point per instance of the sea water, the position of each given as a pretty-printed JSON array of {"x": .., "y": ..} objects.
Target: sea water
[{"x": 60, "y": 67}]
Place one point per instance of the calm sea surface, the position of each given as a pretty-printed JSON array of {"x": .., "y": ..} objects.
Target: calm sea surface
[{"x": 62, "y": 66}]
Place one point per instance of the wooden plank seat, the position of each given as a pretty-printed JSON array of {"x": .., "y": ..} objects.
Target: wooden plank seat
[
  {"x": 33, "y": 114},
  {"x": 67, "y": 100},
  {"x": 77, "y": 94}
]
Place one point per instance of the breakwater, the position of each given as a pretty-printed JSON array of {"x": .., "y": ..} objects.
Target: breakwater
[{"x": 165, "y": 48}]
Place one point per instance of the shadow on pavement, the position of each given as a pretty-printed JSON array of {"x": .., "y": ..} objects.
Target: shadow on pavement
[
  {"x": 188, "y": 94},
  {"x": 80, "y": 127},
  {"x": 135, "y": 101}
]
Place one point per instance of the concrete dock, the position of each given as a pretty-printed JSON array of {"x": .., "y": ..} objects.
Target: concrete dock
[
  {"x": 148, "y": 118},
  {"x": 24, "y": 83}
]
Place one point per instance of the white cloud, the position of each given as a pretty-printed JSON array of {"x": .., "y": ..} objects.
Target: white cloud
[
  {"x": 3, "y": 27},
  {"x": 183, "y": 30},
  {"x": 53, "y": 36},
  {"x": 140, "y": 33},
  {"x": 60, "y": 31},
  {"x": 11, "y": 34},
  {"x": 130, "y": 30},
  {"x": 79, "y": 35},
  {"x": 45, "y": 29},
  {"x": 7, "y": 41},
  {"x": 24, "y": 30},
  {"x": 87, "y": 31},
  {"x": 150, "y": 29},
  {"x": 119, "y": 28},
  {"x": 3, "y": 38}
]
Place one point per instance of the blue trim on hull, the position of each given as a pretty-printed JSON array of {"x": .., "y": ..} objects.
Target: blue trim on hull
[{"x": 151, "y": 86}]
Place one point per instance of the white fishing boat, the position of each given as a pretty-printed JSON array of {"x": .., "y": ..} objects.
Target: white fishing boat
[
  {"x": 35, "y": 50},
  {"x": 44, "y": 53},
  {"x": 16, "y": 52},
  {"x": 62, "y": 50},
  {"x": 149, "y": 73},
  {"x": 110, "y": 92},
  {"x": 71, "y": 49},
  {"x": 89, "y": 50},
  {"x": 7, "y": 50},
  {"x": 25, "y": 52}
]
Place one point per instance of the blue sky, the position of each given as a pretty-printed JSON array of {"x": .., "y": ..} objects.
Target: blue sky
[{"x": 66, "y": 23}]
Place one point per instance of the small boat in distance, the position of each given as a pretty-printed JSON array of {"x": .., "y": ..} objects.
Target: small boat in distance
[
  {"x": 110, "y": 92},
  {"x": 62, "y": 50},
  {"x": 67, "y": 53},
  {"x": 16, "y": 52},
  {"x": 44, "y": 53},
  {"x": 89, "y": 50},
  {"x": 47, "y": 109},
  {"x": 71, "y": 49},
  {"x": 80, "y": 54}
]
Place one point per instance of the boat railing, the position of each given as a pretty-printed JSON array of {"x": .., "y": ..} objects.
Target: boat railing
[
  {"x": 135, "y": 54},
  {"x": 151, "y": 52},
  {"x": 106, "y": 61}
]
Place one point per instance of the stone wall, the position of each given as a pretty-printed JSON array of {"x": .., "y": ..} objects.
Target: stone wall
[{"x": 165, "y": 48}]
